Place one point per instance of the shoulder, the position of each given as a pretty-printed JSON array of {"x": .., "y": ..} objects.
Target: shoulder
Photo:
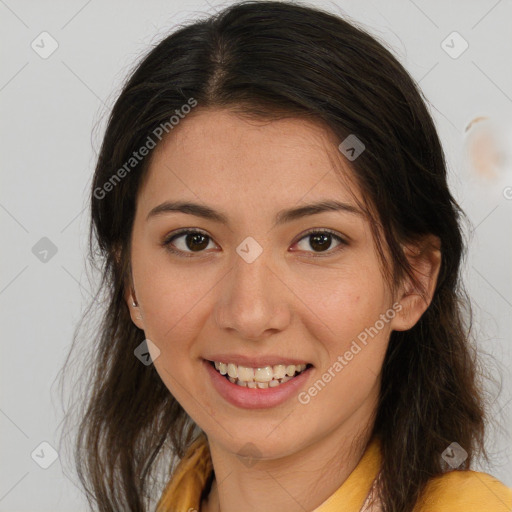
[{"x": 465, "y": 491}]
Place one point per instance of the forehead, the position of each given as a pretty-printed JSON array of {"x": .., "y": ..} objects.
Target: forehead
[{"x": 216, "y": 155}]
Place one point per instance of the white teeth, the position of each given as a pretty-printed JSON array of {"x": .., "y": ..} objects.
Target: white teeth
[
  {"x": 290, "y": 370},
  {"x": 245, "y": 373},
  {"x": 232, "y": 370},
  {"x": 262, "y": 378},
  {"x": 279, "y": 371},
  {"x": 264, "y": 374}
]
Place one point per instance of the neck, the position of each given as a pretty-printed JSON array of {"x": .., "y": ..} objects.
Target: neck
[{"x": 297, "y": 482}]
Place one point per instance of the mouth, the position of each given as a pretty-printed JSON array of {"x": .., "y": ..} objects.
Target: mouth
[{"x": 259, "y": 378}]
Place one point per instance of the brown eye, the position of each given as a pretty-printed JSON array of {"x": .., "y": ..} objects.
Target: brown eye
[
  {"x": 187, "y": 241},
  {"x": 321, "y": 241},
  {"x": 196, "y": 241}
]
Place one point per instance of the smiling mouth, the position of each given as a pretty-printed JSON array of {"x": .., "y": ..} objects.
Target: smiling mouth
[{"x": 259, "y": 378}]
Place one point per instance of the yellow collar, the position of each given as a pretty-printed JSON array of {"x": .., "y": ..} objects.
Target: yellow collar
[
  {"x": 354, "y": 490},
  {"x": 184, "y": 490},
  {"x": 455, "y": 491}
]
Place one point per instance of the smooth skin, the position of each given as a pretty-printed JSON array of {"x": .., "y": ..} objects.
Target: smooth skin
[{"x": 294, "y": 300}]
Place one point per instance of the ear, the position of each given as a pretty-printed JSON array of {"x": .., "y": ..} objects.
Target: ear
[
  {"x": 425, "y": 260},
  {"x": 129, "y": 293},
  {"x": 133, "y": 306}
]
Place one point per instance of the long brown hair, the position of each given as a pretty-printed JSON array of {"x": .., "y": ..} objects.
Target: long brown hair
[{"x": 267, "y": 59}]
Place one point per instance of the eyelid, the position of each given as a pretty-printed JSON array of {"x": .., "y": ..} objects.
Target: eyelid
[
  {"x": 185, "y": 231},
  {"x": 322, "y": 230}
]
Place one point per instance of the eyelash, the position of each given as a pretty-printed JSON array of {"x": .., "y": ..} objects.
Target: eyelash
[{"x": 186, "y": 231}]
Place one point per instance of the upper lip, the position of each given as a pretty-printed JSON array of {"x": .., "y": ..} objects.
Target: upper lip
[{"x": 255, "y": 361}]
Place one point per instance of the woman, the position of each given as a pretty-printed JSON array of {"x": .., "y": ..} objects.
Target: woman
[{"x": 281, "y": 259}]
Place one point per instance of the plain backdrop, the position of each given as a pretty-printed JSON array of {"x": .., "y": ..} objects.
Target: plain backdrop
[{"x": 53, "y": 113}]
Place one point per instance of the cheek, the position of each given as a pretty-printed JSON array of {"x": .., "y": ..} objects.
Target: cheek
[
  {"x": 174, "y": 305},
  {"x": 352, "y": 335},
  {"x": 353, "y": 340},
  {"x": 171, "y": 299},
  {"x": 345, "y": 305}
]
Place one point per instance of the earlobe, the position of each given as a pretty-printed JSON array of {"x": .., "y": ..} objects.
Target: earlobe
[
  {"x": 416, "y": 295},
  {"x": 129, "y": 292},
  {"x": 134, "y": 309},
  {"x": 133, "y": 305}
]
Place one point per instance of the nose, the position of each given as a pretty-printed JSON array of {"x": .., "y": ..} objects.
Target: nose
[{"x": 254, "y": 302}]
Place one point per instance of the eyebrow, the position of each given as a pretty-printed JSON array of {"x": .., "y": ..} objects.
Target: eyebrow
[{"x": 282, "y": 216}]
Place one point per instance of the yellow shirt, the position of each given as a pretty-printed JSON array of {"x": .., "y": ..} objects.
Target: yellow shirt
[{"x": 455, "y": 491}]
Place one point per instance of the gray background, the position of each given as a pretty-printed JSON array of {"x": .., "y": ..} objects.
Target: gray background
[{"x": 53, "y": 114}]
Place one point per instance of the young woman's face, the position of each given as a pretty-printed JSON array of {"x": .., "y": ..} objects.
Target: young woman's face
[{"x": 259, "y": 288}]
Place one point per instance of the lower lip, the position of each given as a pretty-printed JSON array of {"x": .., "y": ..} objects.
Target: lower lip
[{"x": 255, "y": 398}]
